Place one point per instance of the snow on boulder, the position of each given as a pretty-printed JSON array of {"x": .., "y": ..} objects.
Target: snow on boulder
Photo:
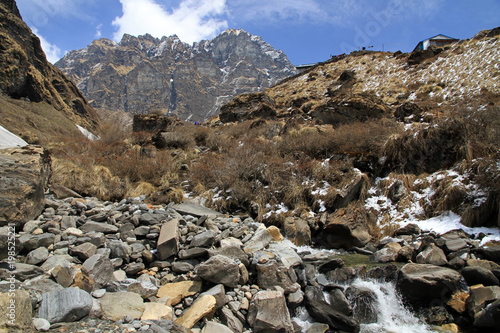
[{"x": 9, "y": 140}]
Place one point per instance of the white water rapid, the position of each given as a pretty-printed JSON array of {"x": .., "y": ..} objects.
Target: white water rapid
[{"x": 392, "y": 316}]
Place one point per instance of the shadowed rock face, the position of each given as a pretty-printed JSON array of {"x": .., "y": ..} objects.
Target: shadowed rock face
[
  {"x": 26, "y": 73},
  {"x": 144, "y": 74},
  {"x": 24, "y": 177}
]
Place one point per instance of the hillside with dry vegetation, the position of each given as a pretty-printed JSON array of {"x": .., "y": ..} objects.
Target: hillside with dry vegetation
[
  {"x": 390, "y": 137},
  {"x": 37, "y": 101}
]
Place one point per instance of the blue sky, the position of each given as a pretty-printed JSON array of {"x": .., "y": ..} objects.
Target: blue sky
[{"x": 307, "y": 31}]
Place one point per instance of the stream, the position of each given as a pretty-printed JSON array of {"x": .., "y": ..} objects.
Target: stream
[{"x": 386, "y": 311}]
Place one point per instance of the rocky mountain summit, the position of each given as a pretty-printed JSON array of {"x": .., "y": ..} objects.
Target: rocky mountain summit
[
  {"x": 144, "y": 74},
  {"x": 26, "y": 76}
]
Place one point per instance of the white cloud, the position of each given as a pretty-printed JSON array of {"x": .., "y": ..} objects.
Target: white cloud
[
  {"x": 276, "y": 10},
  {"x": 98, "y": 32},
  {"x": 192, "y": 20},
  {"x": 52, "y": 52},
  {"x": 333, "y": 12},
  {"x": 40, "y": 12}
]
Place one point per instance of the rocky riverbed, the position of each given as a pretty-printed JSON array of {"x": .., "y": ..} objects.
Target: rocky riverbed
[{"x": 86, "y": 265}]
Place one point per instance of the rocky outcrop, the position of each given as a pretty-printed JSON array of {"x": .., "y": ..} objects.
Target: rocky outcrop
[
  {"x": 144, "y": 74},
  {"x": 25, "y": 173},
  {"x": 26, "y": 73},
  {"x": 346, "y": 228},
  {"x": 247, "y": 107},
  {"x": 154, "y": 122},
  {"x": 347, "y": 109}
]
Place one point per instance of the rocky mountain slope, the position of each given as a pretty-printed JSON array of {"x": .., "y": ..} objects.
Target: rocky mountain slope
[
  {"x": 370, "y": 84},
  {"x": 145, "y": 74},
  {"x": 37, "y": 99}
]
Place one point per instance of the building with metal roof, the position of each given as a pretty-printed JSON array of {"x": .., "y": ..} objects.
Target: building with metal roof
[{"x": 436, "y": 41}]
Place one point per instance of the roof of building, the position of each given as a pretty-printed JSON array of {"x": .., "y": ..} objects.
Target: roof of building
[{"x": 440, "y": 36}]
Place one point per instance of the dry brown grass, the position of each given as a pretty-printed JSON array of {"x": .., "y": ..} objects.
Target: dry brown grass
[
  {"x": 356, "y": 137},
  {"x": 113, "y": 167}
]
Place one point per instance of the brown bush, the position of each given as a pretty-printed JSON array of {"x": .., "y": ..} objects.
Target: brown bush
[
  {"x": 427, "y": 148},
  {"x": 356, "y": 137}
]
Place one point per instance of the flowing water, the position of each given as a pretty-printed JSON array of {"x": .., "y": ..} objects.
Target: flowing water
[{"x": 392, "y": 315}]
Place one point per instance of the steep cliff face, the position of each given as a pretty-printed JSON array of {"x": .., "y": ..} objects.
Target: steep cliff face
[
  {"x": 144, "y": 74},
  {"x": 25, "y": 72}
]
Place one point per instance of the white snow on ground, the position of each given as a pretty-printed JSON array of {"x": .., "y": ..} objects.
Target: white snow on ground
[
  {"x": 451, "y": 221},
  {"x": 88, "y": 134},
  {"x": 414, "y": 212},
  {"x": 9, "y": 140}
]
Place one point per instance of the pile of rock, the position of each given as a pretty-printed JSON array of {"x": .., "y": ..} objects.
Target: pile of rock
[
  {"x": 93, "y": 265},
  {"x": 141, "y": 267}
]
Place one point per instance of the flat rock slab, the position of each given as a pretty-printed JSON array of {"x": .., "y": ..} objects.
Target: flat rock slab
[
  {"x": 178, "y": 290},
  {"x": 116, "y": 306},
  {"x": 195, "y": 210},
  {"x": 203, "y": 306}
]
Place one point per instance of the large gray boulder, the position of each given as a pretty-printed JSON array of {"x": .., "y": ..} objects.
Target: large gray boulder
[
  {"x": 195, "y": 210},
  {"x": 29, "y": 242},
  {"x": 168, "y": 242},
  {"x": 205, "y": 239},
  {"x": 65, "y": 305},
  {"x": 272, "y": 273},
  {"x": 231, "y": 251},
  {"x": 432, "y": 255},
  {"x": 120, "y": 250},
  {"x": 268, "y": 312},
  {"x": 259, "y": 240},
  {"x": 144, "y": 288},
  {"x": 220, "y": 269},
  {"x": 37, "y": 256},
  {"x": 420, "y": 284},
  {"x": 286, "y": 253},
  {"x": 322, "y": 312},
  {"x": 100, "y": 269},
  {"x": 479, "y": 275},
  {"x": 22, "y": 272}
]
